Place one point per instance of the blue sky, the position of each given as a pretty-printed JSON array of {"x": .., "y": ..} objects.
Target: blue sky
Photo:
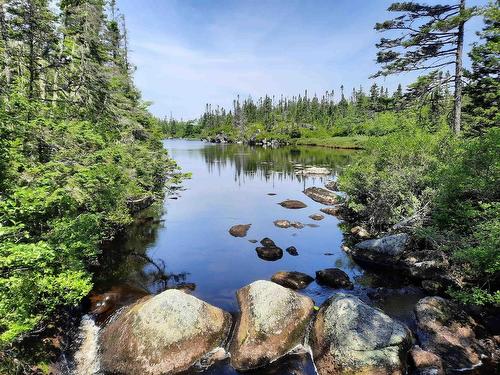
[{"x": 189, "y": 53}]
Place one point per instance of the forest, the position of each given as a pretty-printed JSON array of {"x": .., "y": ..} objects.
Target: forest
[{"x": 81, "y": 154}]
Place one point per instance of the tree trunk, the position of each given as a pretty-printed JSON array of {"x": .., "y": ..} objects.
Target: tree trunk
[
  {"x": 4, "y": 33},
  {"x": 457, "y": 113}
]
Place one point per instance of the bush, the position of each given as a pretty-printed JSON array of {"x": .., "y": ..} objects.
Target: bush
[{"x": 393, "y": 180}]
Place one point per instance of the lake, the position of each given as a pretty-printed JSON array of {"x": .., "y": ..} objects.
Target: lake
[{"x": 185, "y": 242}]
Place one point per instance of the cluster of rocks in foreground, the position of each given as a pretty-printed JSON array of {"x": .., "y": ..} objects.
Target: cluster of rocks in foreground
[{"x": 174, "y": 331}]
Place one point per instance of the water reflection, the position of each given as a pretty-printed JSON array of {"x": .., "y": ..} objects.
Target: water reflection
[{"x": 268, "y": 163}]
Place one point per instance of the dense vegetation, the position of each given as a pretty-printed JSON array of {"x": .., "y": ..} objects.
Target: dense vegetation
[
  {"x": 79, "y": 152},
  {"x": 442, "y": 187}
]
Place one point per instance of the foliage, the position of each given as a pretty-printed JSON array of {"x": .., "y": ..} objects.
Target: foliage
[
  {"x": 77, "y": 147},
  {"x": 392, "y": 181}
]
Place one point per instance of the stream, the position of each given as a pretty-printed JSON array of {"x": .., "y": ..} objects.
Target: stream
[{"x": 184, "y": 242}]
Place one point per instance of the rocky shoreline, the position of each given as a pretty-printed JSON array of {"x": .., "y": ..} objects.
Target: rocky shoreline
[{"x": 173, "y": 332}]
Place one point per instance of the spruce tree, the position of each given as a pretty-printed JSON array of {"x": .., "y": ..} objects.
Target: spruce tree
[
  {"x": 432, "y": 38},
  {"x": 484, "y": 89}
]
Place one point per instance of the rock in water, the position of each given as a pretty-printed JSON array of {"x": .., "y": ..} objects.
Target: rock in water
[
  {"x": 273, "y": 321},
  {"x": 269, "y": 253},
  {"x": 267, "y": 242},
  {"x": 282, "y": 223},
  {"x": 239, "y": 230},
  {"x": 292, "y": 250},
  {"x": 292, "y": 280},
  {"x": 334, "y": 211},
  {"x": 321, "y": 195},
  {"x": 293, "y": 204},
  {"x": 384, "y": 251},
  {"x": 287, "y": 224},
  {"x": 334, "y": 278},
  {"x": 350, "y": 337},
  {"x": 316, "y": 217},
  {"x": 319, "y": 171},
  {"x": 332, "y": 185},
  {"x": 165, "y": 334},
  {"x": 447, "y": 331}
]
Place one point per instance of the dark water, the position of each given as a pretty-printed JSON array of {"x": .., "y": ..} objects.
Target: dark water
[{"x": 186, "y": 240}]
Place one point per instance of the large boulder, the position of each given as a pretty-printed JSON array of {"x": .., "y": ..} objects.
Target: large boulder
[
  {"x": 292, "y": 279},
  {"x": 444, "y": 329},
  {"x": 165, "y": 334},
  {"x": 321, "y": 195},
  {"x": 383, "y": 251},
  {"x": 292, "y": 204},
  {"x": 334, "y": 278},
  {"x": 239, "y": 230},
  {"x": 350, "y": 337},
  {"x": 273, "y": 321}
]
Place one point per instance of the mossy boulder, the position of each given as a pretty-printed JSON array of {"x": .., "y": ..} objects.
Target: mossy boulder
[
  {"x": 350, "y": 337},
  {"x": 165, "y": 334},
  {"x": 273, "y": 321}
]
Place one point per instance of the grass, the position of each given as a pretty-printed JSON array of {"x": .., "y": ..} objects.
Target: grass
[{"x": 352, "y": 142}]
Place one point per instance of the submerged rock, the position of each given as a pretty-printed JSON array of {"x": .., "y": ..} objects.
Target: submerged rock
[
  {"x": 292, "y": 250},
  {"x": 292, "y": 280},
  {"x": 350, "y": 337},
  {"x": 292, "y": 204},
  {"x": 165, "y": 334},
  {"x": 333, "y": 277},
  {"x": 239, "y": 230},
  {"x": 103, "y": 305},
  {"x": 272, "y": 322},
  {"x": 269, "y": 253},
  {"x": 321, "y": 195},
  {"x": 444, "y": 329},
  {"x": 332, "y": 185},
  {"x": 316, "y": 217}
]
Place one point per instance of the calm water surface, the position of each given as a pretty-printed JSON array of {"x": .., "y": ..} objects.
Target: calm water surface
[{"x": 186, "y": 241}]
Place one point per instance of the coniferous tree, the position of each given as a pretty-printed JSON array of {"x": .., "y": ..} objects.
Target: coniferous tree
[
  {"x": 484, "y": 88},
  {"x": 432, "y": 37}
]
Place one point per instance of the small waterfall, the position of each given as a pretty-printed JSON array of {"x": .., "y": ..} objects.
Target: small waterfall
[{"x": 86, "y": 358}]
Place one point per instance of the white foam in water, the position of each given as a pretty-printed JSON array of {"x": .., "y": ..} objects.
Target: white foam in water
[{"x": 86, "y": 359}]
